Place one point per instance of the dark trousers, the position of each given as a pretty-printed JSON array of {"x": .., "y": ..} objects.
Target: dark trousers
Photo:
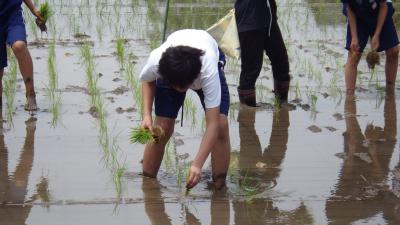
[{"x": 253, "y": 44}]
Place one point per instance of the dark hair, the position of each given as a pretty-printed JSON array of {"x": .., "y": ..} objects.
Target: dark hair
[{"x": 180, "y": 65}]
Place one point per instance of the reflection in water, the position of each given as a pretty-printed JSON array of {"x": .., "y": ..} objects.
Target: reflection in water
[
  {"x": 262, "y": 210},
  {"x": 154, "y": 202},
  {"x": 361, "y": 192},
  {"x": 155, "y": 206},
  {"x": 13, "y": 189}
]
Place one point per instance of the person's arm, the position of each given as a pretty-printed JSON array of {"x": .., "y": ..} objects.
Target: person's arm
[
  {"x": 354, "y": 47},
  {"x": 207, "y": 143},
  {"x": 32, "y": 8},
  {"x": 383, "y": 9},
  {"x": 148, "y": 91}
]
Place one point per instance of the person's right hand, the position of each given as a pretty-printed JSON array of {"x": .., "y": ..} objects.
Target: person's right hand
[
  {"x": 39, "y": 16},
  {"x": 354, "y": 45},
  {"x": 147, "y": 122}
]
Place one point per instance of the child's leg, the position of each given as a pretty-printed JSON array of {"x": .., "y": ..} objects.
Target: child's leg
[
  {"x": 353, "y": 58},
  {"x": 167, "y": 103},
  {"x": 16, "y": 38},
  {"x": 351, "y": 71},
  {"x": 220, "y": 155},
  {"x": 388, "y": 42},
  {"x": 154, "y": 152},
  {"x": 24, "y": 59},
  {"x": 1, "y": 87},
  {"x": 392, "y": 61}
]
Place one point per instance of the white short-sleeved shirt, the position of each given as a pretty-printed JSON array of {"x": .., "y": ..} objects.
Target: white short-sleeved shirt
[{"x": 208, "y": 80}]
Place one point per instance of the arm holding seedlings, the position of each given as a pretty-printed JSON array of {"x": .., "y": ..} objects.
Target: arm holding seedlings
[
  {"x": 208, "y": 142},
  {"x": 354, "y": 47},
  {"x": 32, "y": 8},
  {"x": 383, "y": 10},
  {"x": 148, "y": 90}
]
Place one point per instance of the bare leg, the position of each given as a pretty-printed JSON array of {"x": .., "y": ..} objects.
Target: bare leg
[
  {"x": 220, "y": 155},
  {"x": 392, "y": 61},
  {"x": 20, "y": 50},
  {"x": 1, "y": 87},
  {"x": 351, "y": 71},
  {"x": 154, "y": 152}
]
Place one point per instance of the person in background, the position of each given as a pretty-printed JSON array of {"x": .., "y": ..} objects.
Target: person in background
[
  {"x": 13, "y": 33},
  {"x": 259, "y": 32},
  {"x": 373, "y": 19}
]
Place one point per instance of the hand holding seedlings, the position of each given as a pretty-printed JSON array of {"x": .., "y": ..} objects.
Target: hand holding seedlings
[
  {"x": 372, "y": 59},
  {"x": 43, "y": 15},
  {"x": 143, "y": 136}
]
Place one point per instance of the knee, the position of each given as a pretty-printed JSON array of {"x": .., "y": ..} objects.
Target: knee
[
  {"x": 393, "y": 53},
  {"x": 19, "y": 47},
  {"x": 353, "y": 59}
]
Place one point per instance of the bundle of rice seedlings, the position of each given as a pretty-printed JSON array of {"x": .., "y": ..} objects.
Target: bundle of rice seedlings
[
  {"x": 45, "y": 12},
  {"x": 144, "y": 136},
  {"x": 372, "y": 59}
]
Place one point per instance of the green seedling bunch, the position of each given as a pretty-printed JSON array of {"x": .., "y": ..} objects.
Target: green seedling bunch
[{"x": 143, "y": 136}]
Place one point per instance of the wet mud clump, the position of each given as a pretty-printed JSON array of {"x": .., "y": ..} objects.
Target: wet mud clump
[{"x": 372, "y": 59}]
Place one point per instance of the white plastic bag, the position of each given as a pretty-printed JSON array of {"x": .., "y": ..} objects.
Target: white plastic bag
[{"x": 226, "y": 34}]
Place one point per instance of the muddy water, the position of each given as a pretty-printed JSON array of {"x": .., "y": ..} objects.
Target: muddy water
[{"x": 332, "y": 160}]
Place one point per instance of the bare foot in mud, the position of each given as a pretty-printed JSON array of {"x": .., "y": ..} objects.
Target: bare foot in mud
[{"x": 30, "y": 104}]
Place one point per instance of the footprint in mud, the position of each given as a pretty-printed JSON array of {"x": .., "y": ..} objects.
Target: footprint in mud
[
  {"x": 305, "y": 107},
  {"x": 119, "y": 110},
  {"x": 331, "y": 129},
  {"x": 178, "y": 142},
  {"x": 338, "y": 116},
  {"x": 120, "y": 90},
  {"x": 314, "y": 129},
  {"x": 93, "y": 111}
]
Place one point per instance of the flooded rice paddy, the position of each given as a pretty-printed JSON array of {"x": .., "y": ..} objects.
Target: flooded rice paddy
[{"x": 331, "y": 160}]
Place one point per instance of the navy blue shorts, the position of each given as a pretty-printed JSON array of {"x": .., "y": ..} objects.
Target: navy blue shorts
[
  {"x": 388, "y": 38},
  {"x": 168, "y": 101},
  {"x": 12, "y": 29}
]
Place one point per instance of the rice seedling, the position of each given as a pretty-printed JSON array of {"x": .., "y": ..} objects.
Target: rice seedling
[
  {"x": 276, "y": 103},
  {"x": 248, "y": 187},
  {"x": 313, "y": 101},
  {"x": 120, "y": 50},
  {"x": 51, "y": 88},
  {"x": 144, "y": 136},
  {"x": 9, "y": 88}
]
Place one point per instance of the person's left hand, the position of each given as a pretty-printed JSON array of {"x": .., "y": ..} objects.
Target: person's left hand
[
  {"x": 194, "y": 176},
  {"x": 375, "y": 42}
]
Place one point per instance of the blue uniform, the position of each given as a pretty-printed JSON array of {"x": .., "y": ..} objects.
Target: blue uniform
[
  {"x": 12, "y": 27},
  {"x": 366, "y": 12}
]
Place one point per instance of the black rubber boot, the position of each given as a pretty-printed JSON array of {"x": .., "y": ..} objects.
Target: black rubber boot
[{"x": 247, "y": 97}]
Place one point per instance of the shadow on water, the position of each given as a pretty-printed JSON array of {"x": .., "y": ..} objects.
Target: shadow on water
[
  {"x": 13, "y": 188},
  {"x": 263, "y": 167},
  {"x": 361, "y": 192}
]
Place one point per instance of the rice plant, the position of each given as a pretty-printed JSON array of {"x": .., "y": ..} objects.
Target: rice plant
[
  {"x": 9, "y": 88},
  {"x": 120, "y": 50},
  {"x": 134, "y": 84}
]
